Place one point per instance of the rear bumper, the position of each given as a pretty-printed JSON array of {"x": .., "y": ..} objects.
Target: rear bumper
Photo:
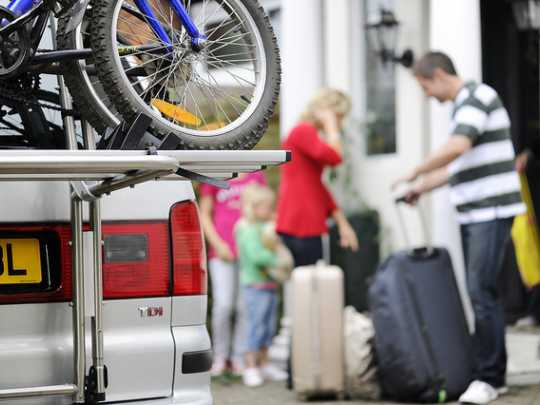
[
  {"x": 193, "y": 361},
  {"x": 200, "y": 400}
]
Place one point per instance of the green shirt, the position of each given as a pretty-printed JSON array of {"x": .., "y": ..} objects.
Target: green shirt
[{"x": 254, "y": 258}]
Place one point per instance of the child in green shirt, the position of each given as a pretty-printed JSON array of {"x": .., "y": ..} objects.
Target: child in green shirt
[{"x": 259, "y": 291}]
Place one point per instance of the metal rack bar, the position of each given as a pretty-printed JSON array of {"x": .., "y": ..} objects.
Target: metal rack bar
[
  {"x": 98, "y": 363},
  {"x": 78, "y": 298},
  {"x": 46, "y": 164},
  {"x": 52, "y": 390},
  {"x": 102, "y": 165},
  {"x": 79, "y": 345}
]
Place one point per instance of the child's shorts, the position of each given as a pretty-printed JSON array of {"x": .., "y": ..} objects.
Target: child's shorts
[{"x": 261, "y": 310}]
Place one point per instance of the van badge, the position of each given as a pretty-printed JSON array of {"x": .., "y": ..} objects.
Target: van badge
[{"x": 149, "y": 312}]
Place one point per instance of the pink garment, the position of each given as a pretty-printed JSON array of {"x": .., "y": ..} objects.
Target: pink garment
[{"x": 226, "y": 207}]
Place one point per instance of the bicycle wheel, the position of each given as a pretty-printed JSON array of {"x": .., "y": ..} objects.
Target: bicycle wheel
[
  {"x": 219, "y": 97},
  {"x": 35, "y": 122},
  {"x": 88, "y": 95}
]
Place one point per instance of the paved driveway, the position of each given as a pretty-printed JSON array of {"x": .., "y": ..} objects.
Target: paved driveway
[{"x": 234, "y": 393}]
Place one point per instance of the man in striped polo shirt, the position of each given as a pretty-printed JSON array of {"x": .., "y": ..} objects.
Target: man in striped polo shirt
[{"x": 478, "y": 163}]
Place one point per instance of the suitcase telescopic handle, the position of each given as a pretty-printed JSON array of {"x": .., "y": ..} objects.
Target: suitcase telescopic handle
[{"x": 428, "y": 251}]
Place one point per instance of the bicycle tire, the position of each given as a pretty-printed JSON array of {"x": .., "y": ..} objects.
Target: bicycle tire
[
  {"x": 92, "y": 103},
  {"x": 129, "y": 105},
  {"x": 55, "y": 138}
]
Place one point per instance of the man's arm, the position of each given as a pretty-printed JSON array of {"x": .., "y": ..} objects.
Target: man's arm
[
  {"x": 451, "y": 150},
  {"x": 429, "y": 182},
  {"x": 433, "y": 180}
]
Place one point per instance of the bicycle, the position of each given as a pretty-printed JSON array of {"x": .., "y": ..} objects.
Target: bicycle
[{"x": 207, "y": 71}]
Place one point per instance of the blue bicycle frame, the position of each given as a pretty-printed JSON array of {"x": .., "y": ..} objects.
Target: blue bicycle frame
[{"x": 20, "y": 7}]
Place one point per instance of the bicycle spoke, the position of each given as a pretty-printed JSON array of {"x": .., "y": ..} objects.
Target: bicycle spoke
[
  {"x": 225, "y": 44},
  {"x": 141, "y": 34},
  {"x": 163, "y": 86},
  {"x": 162, "y": 13},
  {"x": 211, "y": 77},
  {"x": 216, "y": 28},
  {"x": 235, "y": 76},
  {"x": 147, "y": 77},
  {"x": 209, "y": 87},
  {"x": 144, "y": 35},
  {"x": 231, "y": 29},
  {"x": 195, "y": 102},
  {"x": 138, "y": 66},
  {"x": 204, "y": 22},
  {"x": 154, "y": 82},
  {"x": 234, "y": 63}
]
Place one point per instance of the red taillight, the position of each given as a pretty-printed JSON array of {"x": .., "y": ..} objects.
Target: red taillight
[
  {"x": 188, "y": 252},
  {"x": 127, "y": 273},
  {"x": 136, "y": 260}
]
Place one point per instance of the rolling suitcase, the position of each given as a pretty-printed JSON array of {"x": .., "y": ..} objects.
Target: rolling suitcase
[
  {"x": 422, "y": 340},
  {"x": 317, "y": 341}
]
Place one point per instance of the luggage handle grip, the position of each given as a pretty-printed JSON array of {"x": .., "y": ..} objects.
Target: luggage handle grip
[{"x": 420, "y": 253}]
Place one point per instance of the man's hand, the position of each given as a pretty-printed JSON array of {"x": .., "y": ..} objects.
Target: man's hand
[
  {"x": 224, "y": 252},
  {"x": 412, "y": 196},
  {"x": 409, "y": 178},
  {"x": 456, "y": 146},
  {"x": 522, "y": 160}
]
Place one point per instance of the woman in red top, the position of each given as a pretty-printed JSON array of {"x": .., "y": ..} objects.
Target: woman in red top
[{"x": 305, "y": 203}]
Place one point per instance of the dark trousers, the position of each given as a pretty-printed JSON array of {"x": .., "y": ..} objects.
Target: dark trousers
[
  {"x": 305, "y": 251},
  {"x": 484, "y": 246}
]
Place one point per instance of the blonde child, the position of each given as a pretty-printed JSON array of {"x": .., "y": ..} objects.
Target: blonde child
[{"x": 259, "y": 290}]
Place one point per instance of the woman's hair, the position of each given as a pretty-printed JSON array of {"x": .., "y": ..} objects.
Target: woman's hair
[
  {"x": 327, "y": 98},
  {"x": 251, "y": 196}
]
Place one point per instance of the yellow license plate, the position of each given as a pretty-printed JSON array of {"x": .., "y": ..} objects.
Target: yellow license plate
[{"x": 20, "y": 261}]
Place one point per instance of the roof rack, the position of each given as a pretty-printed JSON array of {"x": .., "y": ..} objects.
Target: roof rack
[{"x": 93, "y": 173}]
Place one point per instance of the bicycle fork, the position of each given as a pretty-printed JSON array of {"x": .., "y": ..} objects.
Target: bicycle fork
[{"x": 197, "y": 38}]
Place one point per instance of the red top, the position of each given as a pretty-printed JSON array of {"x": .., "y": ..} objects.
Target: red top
[{"x": 304, "y": 202}]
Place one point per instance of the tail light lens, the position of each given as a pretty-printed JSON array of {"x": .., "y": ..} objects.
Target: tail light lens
[
  {"x": 135, "y": 260},
  {"x": 188, "y": 252}
]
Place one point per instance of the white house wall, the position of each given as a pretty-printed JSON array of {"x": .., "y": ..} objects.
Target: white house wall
[
  {"x": 455, "y": 29},
  {"x": 463, "y": 46},
  {"x": 302, "y": 57},
  {"x": 338, "y": 48},
  {"x": 376, "y": 173}
]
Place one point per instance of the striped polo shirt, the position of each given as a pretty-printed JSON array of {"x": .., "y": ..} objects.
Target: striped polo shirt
[{"x": 484, "y": 183}]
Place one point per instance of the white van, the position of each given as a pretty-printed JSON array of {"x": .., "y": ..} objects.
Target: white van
[{"x": 156, "y": 345}]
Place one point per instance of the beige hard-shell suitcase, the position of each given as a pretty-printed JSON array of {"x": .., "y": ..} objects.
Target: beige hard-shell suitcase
[{"x": 317, "y": 349}]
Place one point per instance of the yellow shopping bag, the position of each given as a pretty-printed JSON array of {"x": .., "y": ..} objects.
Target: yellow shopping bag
[{"x": 527, "y": 240}]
